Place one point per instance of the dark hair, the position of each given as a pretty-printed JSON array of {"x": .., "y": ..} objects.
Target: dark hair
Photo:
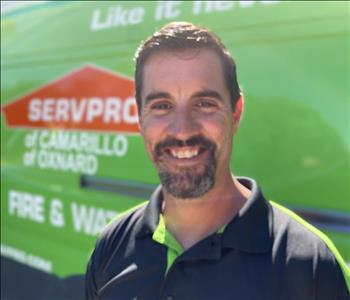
[{"x": 181, "y": 36}]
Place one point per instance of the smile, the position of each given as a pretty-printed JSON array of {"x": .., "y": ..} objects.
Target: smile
[
  {"x": 184, "y": 153},
  {"x": 179, "y": 153}
]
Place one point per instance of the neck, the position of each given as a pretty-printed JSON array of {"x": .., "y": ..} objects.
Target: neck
[{"x": 191, "y": 220}]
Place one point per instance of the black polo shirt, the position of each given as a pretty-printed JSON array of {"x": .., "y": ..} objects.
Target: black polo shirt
[{"x": 265, "y": 252}]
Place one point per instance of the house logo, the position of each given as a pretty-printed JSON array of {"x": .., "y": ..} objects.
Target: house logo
[{"x": 89, "y": 98}]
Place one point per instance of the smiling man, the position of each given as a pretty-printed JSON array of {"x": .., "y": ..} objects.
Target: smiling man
[{"x": 204, "y": 234}]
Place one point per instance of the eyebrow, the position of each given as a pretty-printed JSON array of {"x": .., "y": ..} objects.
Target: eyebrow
[
  {"x": 156, "y": 95},
  {"x": 203, "y": 93},
  {"x": 209, "y": 94}
]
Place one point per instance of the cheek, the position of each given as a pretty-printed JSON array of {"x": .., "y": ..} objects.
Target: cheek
[
  {"x": 220, "y": 130},
  {"x": 148, "y": 145},
  {"x": 220, "y": 126},
  {"x": 151, "y": 131},
  {"x": 151, "y": 127}
]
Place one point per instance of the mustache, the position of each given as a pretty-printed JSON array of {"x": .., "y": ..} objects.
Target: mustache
[{"x": 197, "y": 140}]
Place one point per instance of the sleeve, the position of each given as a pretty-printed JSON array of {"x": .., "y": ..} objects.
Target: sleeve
[
  {"x": 94, "y": 276},
  {"x": 332, "y": 275},
  {"x": 110, "y": 238},
  {"x": 343, "y": 292},
  {"x": 91, "y": 290}
]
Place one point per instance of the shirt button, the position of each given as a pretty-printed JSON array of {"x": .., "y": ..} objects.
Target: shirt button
[{"x": 169, "y": 298}]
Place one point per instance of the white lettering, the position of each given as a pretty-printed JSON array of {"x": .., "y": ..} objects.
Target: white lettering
[
  {"x": 27, "y": 206},
  {"x": 77, "y": 163},
  {"x": 136, "y": 15},
  {"x": 246, "y": 3},
  {"x": 95, "y": 109},
  {"x": 211, "y": 6},
  {"x": 223, "y": 5},
  {"x": 105, "y": 150},
  {"x": 96, "y": 23},
  {"x": 90, "y": 143},
  {"x": 74, "y": 142},
  {"x": 120, "y": 145},
  {"x": 219, "y": 6},
  {"x": 26, "y": 258},
  {"x": 198, "y": 6},
  {"x": 112, "y": 111},
  {"x": 167, "y": 10},
  {"x": 56, "y": 213},
  {"x": 48, "y": 110},
  {"x": 90, "y": 220},
  {"x": 34, "y": 110},
  {"x": 44, "y": 139},
  {"x": 78, "y": 109},
  {"x": 62, "y": 109},
  {"x": 120, "y": 17},
  {"x": 117, "y": 16},
  {"x": 269, "y": 1},
  {"x": 130, "y": 114},
  {"x": 61, "y": 139},
  {"x": 85, "y": 138}
]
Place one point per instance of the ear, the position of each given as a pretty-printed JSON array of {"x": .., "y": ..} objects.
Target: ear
[
  {"x": 139, "y": 118},
  {"x": 237, "y": 114},
  {"x": 139, "y": 123}
]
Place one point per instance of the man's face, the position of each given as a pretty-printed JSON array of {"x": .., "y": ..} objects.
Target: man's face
[{"x": 186, "y": 120}]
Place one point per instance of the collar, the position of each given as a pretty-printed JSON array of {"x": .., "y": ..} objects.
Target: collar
[
  {"x": 249, "y": 231},
  {"x": 150, "y": 219}
]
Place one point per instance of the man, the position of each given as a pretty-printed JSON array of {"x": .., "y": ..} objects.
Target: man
[{"x": 204, "y": 234}]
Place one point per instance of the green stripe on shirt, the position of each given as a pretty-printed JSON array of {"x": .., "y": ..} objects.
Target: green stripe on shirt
[
  {"x": 166, "y": 238},
  {"x": 323, "y": 237},
  {"x": 163, "y": 236}
]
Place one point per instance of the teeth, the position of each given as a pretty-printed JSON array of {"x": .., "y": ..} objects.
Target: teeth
[{"x": 184, "y": 153}]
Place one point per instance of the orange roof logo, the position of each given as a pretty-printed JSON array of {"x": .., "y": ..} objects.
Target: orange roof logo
[{"x": 88, "y": 98}]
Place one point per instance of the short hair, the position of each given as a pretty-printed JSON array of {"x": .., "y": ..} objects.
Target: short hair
[{"x": 179, "y": 36}]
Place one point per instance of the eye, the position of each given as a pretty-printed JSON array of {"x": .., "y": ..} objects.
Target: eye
[
  {"x": 206, "y": 103},
  {"x": 161, "y": 106}
]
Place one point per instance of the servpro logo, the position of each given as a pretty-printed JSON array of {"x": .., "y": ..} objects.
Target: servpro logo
[{"x": 89, "y": 98}]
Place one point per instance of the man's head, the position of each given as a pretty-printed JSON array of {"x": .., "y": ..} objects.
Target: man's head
[
  {"x": 188, "y": 109},
  {"x": 177, "y": 36}
]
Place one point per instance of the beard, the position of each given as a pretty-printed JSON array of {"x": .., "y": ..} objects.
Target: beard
[{"x": 187, "y": 182}]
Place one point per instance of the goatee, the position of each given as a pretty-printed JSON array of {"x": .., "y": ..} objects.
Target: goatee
[{"x": 187, "y": 182}]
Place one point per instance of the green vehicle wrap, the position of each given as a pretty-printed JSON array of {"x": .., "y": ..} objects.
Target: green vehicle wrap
[{"x": 71, "y": 155}]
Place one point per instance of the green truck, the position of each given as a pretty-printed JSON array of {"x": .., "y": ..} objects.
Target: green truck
[{"x": 71, "y": 155}]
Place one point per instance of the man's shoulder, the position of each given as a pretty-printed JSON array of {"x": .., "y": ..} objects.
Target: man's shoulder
[
  {"x": 120, "y": 231},
  {"x": 114, "y": 242},
  {"x": 124, "y": 223},
  {"x": 304, "y": 248},
  {"x": 299, "y": 236}
]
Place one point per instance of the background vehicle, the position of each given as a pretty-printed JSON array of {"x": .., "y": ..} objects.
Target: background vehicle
[{"x": 71, "y": 156}]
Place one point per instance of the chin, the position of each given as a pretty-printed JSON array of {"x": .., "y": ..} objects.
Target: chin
[{"x": 187, "y": 185}]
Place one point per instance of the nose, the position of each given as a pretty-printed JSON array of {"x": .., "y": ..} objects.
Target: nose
[{"x": 183, "y": 125}]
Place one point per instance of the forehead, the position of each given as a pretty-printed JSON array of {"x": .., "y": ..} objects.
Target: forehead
[{"x": 186, "y": 70}]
